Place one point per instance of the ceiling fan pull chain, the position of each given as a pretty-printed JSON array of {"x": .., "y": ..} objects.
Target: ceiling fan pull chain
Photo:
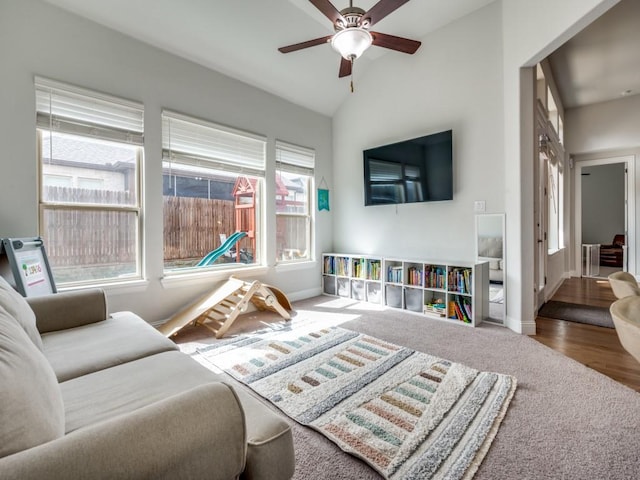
[{"x": 351, "y": 75}]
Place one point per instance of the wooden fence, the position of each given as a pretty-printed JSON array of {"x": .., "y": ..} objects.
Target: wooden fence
[
  {"x": 73, "y": 237},
  {"x": 192, "y": 226}
]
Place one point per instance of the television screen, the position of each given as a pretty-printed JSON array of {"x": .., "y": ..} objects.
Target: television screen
[{"x": 416, "y": 170}]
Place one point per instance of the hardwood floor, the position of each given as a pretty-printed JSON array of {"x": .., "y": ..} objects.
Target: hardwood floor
[{"x": 595, "y": 347}]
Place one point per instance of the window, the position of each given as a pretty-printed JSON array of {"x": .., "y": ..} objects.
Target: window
[
  {"x": 89, "y": 155},
  {"x": 555, "y": 200},
  {"x": 294, "y": 174},
  {"x": 212, "y": 194}
]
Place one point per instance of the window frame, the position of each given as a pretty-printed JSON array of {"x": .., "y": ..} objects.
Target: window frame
[
  {"x": 202, "y": 154},
  {"x": 52, "y": 122},
  {"x": 300, "y": 161},
  {"x": 555, "y": 191}
]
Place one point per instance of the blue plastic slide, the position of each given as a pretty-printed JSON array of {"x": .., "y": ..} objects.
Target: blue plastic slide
[{"x": 213, "y": 255}]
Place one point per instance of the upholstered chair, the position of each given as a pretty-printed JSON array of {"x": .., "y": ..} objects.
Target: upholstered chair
[
  {"x": 626, "y": 318},
  {"x": 624, "y": 284}
]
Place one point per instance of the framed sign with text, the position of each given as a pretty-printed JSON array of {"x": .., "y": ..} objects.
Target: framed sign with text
[{"x": 28, "y": 265}]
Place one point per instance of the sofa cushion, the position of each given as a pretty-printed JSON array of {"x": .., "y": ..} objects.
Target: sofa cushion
[
  {"x": 18, "y": 308},
  {"x": 121, "y": 338},
  {"x": 127, "y": 387},
  {"x": 490, "y": 247},
  {"x": 31, "y": 409}
]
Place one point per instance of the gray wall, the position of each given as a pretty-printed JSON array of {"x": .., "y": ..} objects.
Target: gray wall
[
  {"x": 38, "y": 39},
  {"x": 453, "y": 82},
  {"x": 466, "y": 76},
  {"x": 602, "y": 202}
]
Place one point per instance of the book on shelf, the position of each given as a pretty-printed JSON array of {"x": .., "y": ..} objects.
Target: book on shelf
[
  {"x": 359, "y": 268},
  {"x": 434, "y": 277},
  {"x": 414, "y": 276},
  {"x": 467, "y": 309},
  {"x": 342, "y": 266},
  {"x": 329, "y": 265},
  {"x": 460, "y": 280},
  {"x": 460, "y": 310},
  {"x": 394, "y": 274},
  {"x": 374, "y": 270}
]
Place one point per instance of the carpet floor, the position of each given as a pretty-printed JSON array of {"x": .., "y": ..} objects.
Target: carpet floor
[
  {"x": 565, "y": 421},
  {"x": 572, "y": 312}
]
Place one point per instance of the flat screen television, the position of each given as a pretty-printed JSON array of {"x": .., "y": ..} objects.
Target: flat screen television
[{"x": 416, "y": 170}]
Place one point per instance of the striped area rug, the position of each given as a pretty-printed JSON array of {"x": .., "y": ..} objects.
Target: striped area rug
[{"x": 408, "y": 414}]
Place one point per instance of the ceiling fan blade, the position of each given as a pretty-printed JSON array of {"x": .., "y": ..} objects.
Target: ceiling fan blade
[
  {"x": 345, "y": 67},
  {"x": 381, "y": 10},
  {"x": 329, "y": 11},
  {"x": 395, "y": 43},
  {"x": 307, "y": 44}
]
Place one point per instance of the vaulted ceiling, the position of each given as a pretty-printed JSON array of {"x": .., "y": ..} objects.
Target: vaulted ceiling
[{"x": 240, "y": 38}]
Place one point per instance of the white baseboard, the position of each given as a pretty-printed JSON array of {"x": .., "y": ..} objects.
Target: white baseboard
[
  {"x": 304, "y": 294},
  {"x": 518, "y": 326}
]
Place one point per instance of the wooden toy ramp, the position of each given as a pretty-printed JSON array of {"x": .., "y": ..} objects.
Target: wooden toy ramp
[{"x": 219, "y": 309}]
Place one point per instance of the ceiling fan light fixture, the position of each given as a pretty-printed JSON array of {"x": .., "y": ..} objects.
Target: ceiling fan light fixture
[{"x": 351, "y": 42}]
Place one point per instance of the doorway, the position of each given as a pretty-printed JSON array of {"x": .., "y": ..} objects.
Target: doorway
[{"x": 605, "y": 214}]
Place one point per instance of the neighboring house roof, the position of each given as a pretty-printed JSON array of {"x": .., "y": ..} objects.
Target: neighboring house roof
[{"x": 75, "y": 151}]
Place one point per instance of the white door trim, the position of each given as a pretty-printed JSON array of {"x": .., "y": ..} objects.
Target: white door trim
[{"x": 629, "y": 160}]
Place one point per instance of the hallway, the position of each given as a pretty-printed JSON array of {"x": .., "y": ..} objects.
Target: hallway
[{"x": 595, "y": 347}]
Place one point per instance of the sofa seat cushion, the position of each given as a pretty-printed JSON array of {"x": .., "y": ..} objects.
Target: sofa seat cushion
[
  {"x": 127, "y": 387},
  {"x": 121, "y": 338},
  {"x": 31, "y": 409},
  {"x": 19, "y": 309}
]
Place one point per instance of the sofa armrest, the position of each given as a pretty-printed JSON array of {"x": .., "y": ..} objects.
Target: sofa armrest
[
  {"x": 199, "y": 433},
  {"x": 60, "y": 311}
]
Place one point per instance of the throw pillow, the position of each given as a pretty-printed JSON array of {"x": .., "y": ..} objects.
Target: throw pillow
[
  {"x": 18, "y": 308},
  {"x": 31, "y": 406}
]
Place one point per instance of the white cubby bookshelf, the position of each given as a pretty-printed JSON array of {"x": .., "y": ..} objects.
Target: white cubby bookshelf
[
  {"x": 353, "y": 276},
  {"x": 453, "y": 291}
]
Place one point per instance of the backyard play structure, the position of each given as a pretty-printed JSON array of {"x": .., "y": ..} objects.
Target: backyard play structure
[
  {"x": 218, "y": 310},
  {"x": 244, "y": 193},
  {"x": 213, "y": 255}
]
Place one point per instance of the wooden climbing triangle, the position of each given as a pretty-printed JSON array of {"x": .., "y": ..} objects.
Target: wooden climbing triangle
[{"x": 219, "y": 309}]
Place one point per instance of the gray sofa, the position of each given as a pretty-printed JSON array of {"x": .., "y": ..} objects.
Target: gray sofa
[
  {"x": 87, "y": 395},
  {"x": 490, "y": 249}
]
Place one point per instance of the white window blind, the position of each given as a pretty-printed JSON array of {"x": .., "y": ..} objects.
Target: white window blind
[
  {"x": 197, "y": 142},
  {"x": 69, "y": 109},
  {"x": 381, "y": 171},
  {"x": 294, "y": 159}
]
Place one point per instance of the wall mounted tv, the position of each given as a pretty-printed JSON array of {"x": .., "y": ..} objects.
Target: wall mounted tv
[{"x": 416, "y": 170}]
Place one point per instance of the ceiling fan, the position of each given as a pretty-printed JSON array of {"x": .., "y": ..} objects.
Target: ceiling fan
[{"x": 353, "y": 36}]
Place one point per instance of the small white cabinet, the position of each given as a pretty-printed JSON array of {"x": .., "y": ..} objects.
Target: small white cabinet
[{"x": 452, "y": 291}]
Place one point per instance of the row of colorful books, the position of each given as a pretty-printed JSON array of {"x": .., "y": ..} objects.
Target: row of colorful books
[
  {"x": 375, "y": 269},
  {"x": 329, "y": 265},
  {"x": 360, "y": 267},
  {"x": 435, "y": 277},
  {"x": 460, "y": 280},
  {"x": 414, "y": 276},
  {"x": 394, "y": 274},
  {"x": 460, "y": 309},
  {"x": 342, "y": 266}
]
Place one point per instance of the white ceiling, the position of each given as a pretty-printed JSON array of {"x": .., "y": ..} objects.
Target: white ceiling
[
  {"x": 240, "y": 38},
  {"x": 603, "y": 60}
]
